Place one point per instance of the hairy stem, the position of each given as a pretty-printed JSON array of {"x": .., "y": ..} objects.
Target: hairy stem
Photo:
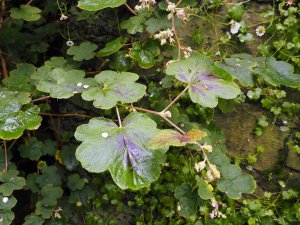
[
  {"x": 175, "y": 99},
  {"x": 41, "y": 99},
  {"x": 119, "y": 117},
  {"x": 65, "y": 115},
  {"x": 130, "y": 9}
]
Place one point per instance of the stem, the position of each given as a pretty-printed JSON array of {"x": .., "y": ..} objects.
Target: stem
[
  {"x": 130, "y": 9},
  {"x": 28, "y": 3},
  {"x": 175, "y": 99},
  {"x": 145, "y": 110},
  {"x": 2, "y": 13},
  {"x": 119, "y": 117},
  {"x": 40, "y": 99},
  {"x": 175, "y": 33},
  {"x": 65, "y": 115},
  {"x": 173, "y": 124},
  {"x": 3, "y": 66},
  {"x": 5, "y": 156}
]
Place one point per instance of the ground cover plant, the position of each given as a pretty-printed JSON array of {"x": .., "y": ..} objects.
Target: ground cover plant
[{"x": 149, "y": 112}]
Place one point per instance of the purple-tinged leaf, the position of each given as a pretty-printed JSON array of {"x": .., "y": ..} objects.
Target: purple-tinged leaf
[
  {"x": 121, "y": 150},
  {"x": 204, "y": 80}
]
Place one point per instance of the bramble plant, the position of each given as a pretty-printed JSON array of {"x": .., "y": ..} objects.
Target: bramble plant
[{"x": 145, "y": 92}]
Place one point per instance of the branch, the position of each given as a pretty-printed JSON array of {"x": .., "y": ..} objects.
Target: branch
[
  {"x": 65, "y": 115},
  {"x": 130, "y": 9},
  {"x": 41, "y": 99},
  {"x": 175, "y": 99},
  {"x": 3, "y": 66}
]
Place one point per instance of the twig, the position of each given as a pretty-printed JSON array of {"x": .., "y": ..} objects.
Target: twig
[
  {"x": 5, "y": 156},
  {"x": 175, "y": 99},
  {"x": 161, "y": 114},
  {"x": 130, "y": 9},
  {"x": 175, "y": 33},
  {"x": 2, "y": 13},
  {"x": 119, "y": 117},
  {"x": 28, "y": 3},
  {"x": 65, "y": 115},
  {"x": 40, "y": 99},
  {"x": 173, "y": 124},
  {"x": 3, "y": 66}
]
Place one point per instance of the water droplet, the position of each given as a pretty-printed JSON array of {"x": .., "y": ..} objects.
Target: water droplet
[
  {"x": 5, "y": 199},
  {"x": 86, "y": 86},
  {"x": 104, "y": 135},
  {"x": 79, "y": 84}
]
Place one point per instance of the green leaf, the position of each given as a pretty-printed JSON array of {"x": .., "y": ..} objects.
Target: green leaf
[
  {"x": 202, "y": 76},
  {"x": 114, "y": 87},
  {"x": 204, "y": 191},
  {"x": 84, "y": 51},
  {"x": 75, "y": 182},
  {"x": 112, "y": 47},
  {"x": 144, "y": 58},
  {"x": 49, "y": 175},
  {"x": 94, "y": 5},
  {"x": 61, "y": 83},
  {"x": 43, "y": 210},
  {"x": 279, "y": 73},
  {"x": 10, "y": 182},
  {"x": 68, "y": 158},
  {"x": 120, "y": 62},
  {"x": 83, "y": 195},
  {"x": 241, "y": 67},
  {"x": 16, "y": 115},
  {"x": 6, "y": 217},
  {"x": 188, "y": 200},
  {"x": 26, "y": 12},
  {"x": 234, "y": 183},
  {"x": 51, "y": 194},
  {"x": 121, "y": 150},
  {"x": 134, "y": 24},
  {"x": 34, "y": 149},
  {"x": 158, "y": 22},
  {"x": 7, "y": 202},
  {"x": 19, "y": 78},
  {"x": 165, "y": 138},
  {"x": 33, "y": 220}
]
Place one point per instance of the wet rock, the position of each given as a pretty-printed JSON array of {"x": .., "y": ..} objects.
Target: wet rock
[
  {"x": 238, "y": 127},
  {"x": 293, "y": 160}
]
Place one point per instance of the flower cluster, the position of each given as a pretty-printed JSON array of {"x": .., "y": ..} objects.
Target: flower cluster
[
  {"x": 181, "y": 13},
  {"x": 145, "y": 4},
  {"x": 164, "y": 36},
  {"x": 215, "y": 212},
  {"x": 187, "y": 52}
]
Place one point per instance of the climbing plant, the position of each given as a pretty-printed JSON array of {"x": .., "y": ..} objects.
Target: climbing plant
[{"x": 138, "y": 92}]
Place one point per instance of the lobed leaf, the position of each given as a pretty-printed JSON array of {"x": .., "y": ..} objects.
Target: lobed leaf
[
  {"x": 26, "y": 12},
  {"x": 84, "y": 51},
  {"x": 121, "y": 150},
  {"x": 114, "y": 87},
  {"x": 204, "y": 80}
]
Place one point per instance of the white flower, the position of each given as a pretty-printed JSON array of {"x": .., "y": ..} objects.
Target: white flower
[
  {"x": 63, "y": 17},
  {"x": 171, "y": 7},
  {"x": 235, "y": 26},
  {"x": 260, "y": 31},
  {"x": 70, "y": 43},
  {"x": 79, "y": 84},
  {"x": 168, "y": 114},
  {"x": 200, "y": 166},
  {"x": 165, "y": 35},
  {"x": 180, "y": 13},
  {"x": 145, "y": 4},
  {"x": 86, "y": 86},
  {"x": 104, "y": 135},
  {"x": 207, "y": 148},
  {"x": 5, "y": 199}
]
